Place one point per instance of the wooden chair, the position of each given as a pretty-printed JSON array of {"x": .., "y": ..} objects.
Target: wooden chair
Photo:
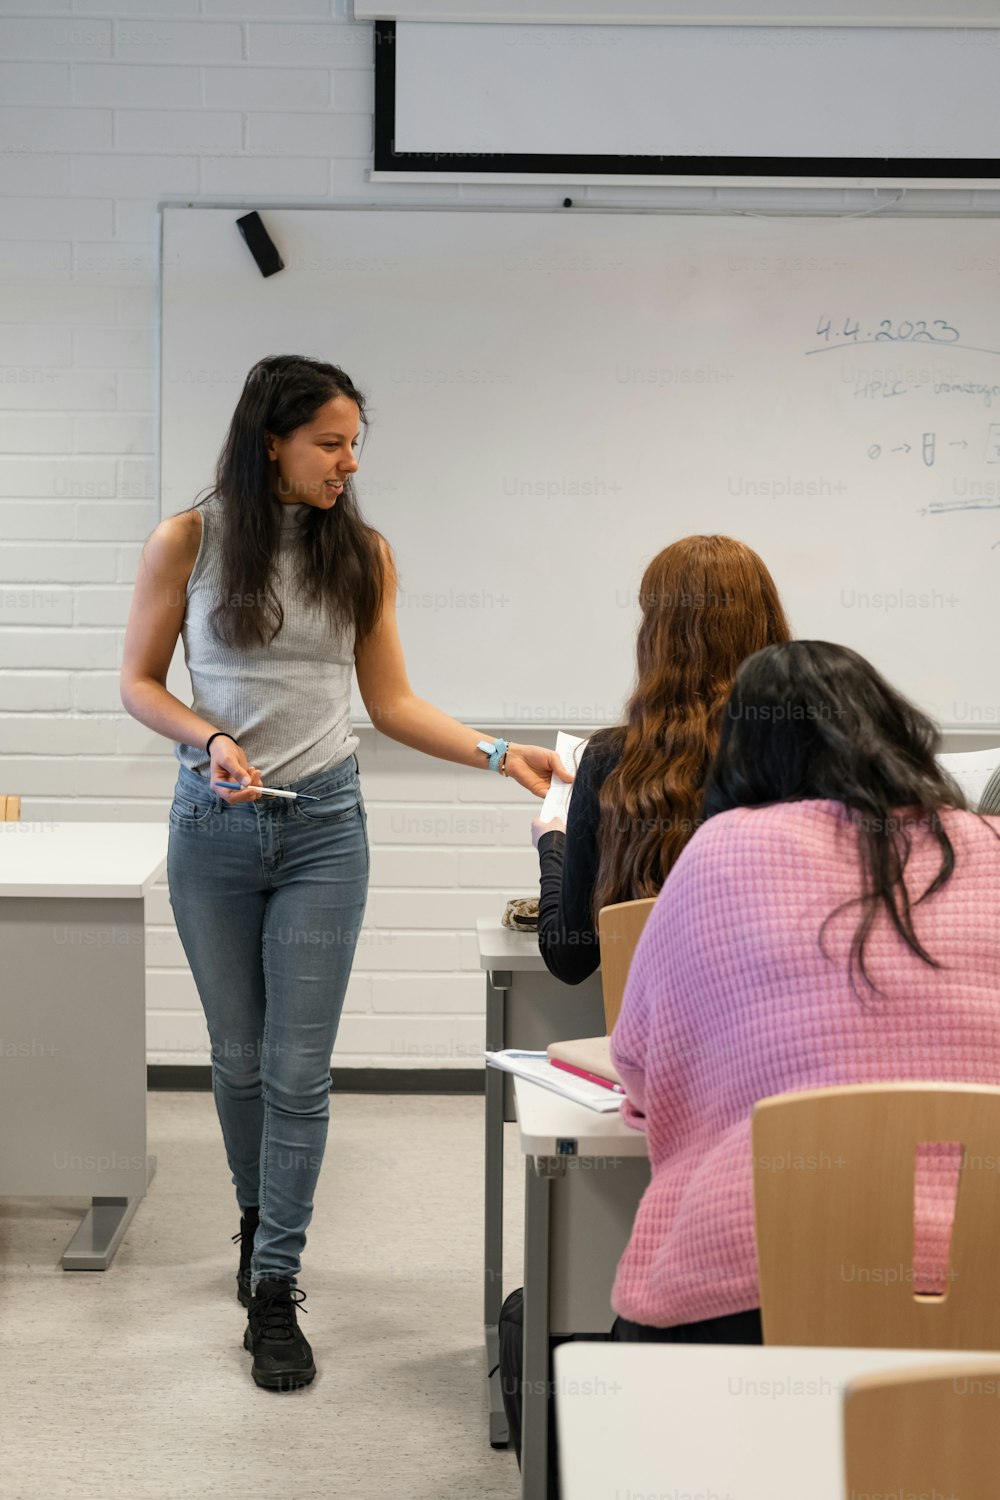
[
  {"x": 989, "y": 801},
  {"x": 619, "y": 928},
  {"x": 10, "y": 809},
  {"x": 924, "y": 1432},
  {"x": 834, "y": 1189}
]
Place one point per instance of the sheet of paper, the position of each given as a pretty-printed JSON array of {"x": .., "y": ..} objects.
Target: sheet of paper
[
  {"x": 972, "y": 769},
  {"x": 569, "y": 748}
]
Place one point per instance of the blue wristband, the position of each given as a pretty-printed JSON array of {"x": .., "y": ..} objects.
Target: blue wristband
[{"x": 495, "y": 749}]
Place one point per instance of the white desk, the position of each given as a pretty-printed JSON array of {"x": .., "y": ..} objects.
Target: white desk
[
  {"x": 584, "y": 1175},
  {"x": 73, "y": 1020},
  {"x": 525, "y": 1007},
  {"x": 731, "y": 1422}
]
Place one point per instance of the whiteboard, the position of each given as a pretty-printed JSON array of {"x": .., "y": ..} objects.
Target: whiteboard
[{"x": 556, "y": 396}]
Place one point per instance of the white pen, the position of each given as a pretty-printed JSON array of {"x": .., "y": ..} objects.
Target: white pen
[{"x": 266, "y": 791}]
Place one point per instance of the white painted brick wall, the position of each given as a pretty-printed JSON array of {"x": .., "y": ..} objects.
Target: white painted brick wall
[{"x": 108, "y": 109}]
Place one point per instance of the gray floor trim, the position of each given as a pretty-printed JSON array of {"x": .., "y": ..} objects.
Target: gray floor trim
[{"x": 198, "y": 1077}]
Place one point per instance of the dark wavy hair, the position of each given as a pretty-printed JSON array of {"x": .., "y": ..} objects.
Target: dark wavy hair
[
  {"x": 814, "y": 720},
  {"x": 707, "y": 602},
  {"x": 341, "y": 563}
]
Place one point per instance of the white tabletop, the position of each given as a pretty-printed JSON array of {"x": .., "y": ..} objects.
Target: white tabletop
[
  {"x": 545, "y": 1117},
  {"x": 38, "y": 858},
  {"x": 503, "y": 947},
  {"x": 733, "y": 1422}
]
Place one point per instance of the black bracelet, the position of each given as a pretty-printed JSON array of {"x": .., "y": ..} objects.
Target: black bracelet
[{"x": 215, "y": 736}]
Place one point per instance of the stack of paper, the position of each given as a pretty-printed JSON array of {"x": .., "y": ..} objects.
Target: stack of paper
[{"x": 537, "y": 1067}]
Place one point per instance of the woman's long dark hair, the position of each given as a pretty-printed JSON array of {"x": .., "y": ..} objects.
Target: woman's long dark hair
[
  {"x": 707, "y": 602},
  {"x": 814, "y": 720},
  {"x": 341, "y": 562}
]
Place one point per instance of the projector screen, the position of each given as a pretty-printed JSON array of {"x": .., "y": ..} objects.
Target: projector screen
[
  {"x": 704, "y": 101},
  {"x": 684, "y": 13}
]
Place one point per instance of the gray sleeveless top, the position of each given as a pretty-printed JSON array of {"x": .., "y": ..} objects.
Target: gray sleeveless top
[{"x": 288, "y": 703}]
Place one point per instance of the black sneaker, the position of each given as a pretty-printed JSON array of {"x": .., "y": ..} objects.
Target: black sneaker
[
  {"x": 282, "y": 1358},
  {"x": 249, "y": 1220}
]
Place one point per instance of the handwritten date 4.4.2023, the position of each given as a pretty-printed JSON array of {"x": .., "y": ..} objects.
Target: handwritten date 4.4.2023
[{"x": 903, "y": 331}]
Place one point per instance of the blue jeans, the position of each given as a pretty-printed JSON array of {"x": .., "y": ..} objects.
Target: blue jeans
[{"x": 268, "y": 897}]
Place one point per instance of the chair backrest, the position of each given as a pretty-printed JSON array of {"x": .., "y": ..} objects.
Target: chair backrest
[
  {"x": 619, "y": 928},
  {"x": 923, "y": 1432},
  {"x": 10, "y": 809},
  {"x": 989, "y": 801},
  {"x": 834, "y": 1185}
]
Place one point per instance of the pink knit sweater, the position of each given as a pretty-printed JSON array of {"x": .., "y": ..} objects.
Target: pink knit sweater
[{"x": 729, "y": 1000}]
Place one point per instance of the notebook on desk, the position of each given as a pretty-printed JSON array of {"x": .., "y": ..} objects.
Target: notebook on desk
[{"x": 538, "y": 1067}]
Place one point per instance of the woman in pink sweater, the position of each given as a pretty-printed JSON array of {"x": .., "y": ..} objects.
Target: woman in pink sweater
[{"x": 787, "y": 951}]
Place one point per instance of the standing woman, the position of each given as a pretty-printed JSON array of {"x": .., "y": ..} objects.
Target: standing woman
[{"x": 279, "y": 589}]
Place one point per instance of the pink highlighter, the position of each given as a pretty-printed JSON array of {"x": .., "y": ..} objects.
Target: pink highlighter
[{"x": 606, "y": 1083}]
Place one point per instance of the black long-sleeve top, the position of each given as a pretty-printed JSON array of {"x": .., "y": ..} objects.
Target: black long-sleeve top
[{"x": 567, "y": 937}]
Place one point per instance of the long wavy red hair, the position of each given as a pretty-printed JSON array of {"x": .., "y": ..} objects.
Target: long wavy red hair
[{"x": 707, "y": 602}]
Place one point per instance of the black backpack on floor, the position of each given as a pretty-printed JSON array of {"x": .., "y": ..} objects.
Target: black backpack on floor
[{"x": 511, "y": 1334}]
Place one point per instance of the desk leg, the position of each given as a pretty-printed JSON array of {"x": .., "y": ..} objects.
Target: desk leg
[
  {"x": 497, "y": 985},
  {"x": 102, "y": 1230},
  {"x": 535, "y": 1408}
]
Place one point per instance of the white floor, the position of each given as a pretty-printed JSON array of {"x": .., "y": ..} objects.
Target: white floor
[{"x": 134, "y": 1382}]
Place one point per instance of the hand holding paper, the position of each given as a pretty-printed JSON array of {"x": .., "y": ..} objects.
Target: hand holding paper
[
  {"x": 569, "y": 748},
  {"x": 536, "y": 769}
]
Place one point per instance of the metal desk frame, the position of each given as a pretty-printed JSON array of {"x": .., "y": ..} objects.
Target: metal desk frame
[
  {"x": 525, "y": 1007},
  {"x": 584, "y": 1176}
]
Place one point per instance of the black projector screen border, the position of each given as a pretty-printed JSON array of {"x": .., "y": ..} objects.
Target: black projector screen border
[{"x": 388, "y": 159}]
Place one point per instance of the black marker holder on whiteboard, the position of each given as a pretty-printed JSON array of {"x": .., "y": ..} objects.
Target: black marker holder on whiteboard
[{"x": 260, "y": 244}]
